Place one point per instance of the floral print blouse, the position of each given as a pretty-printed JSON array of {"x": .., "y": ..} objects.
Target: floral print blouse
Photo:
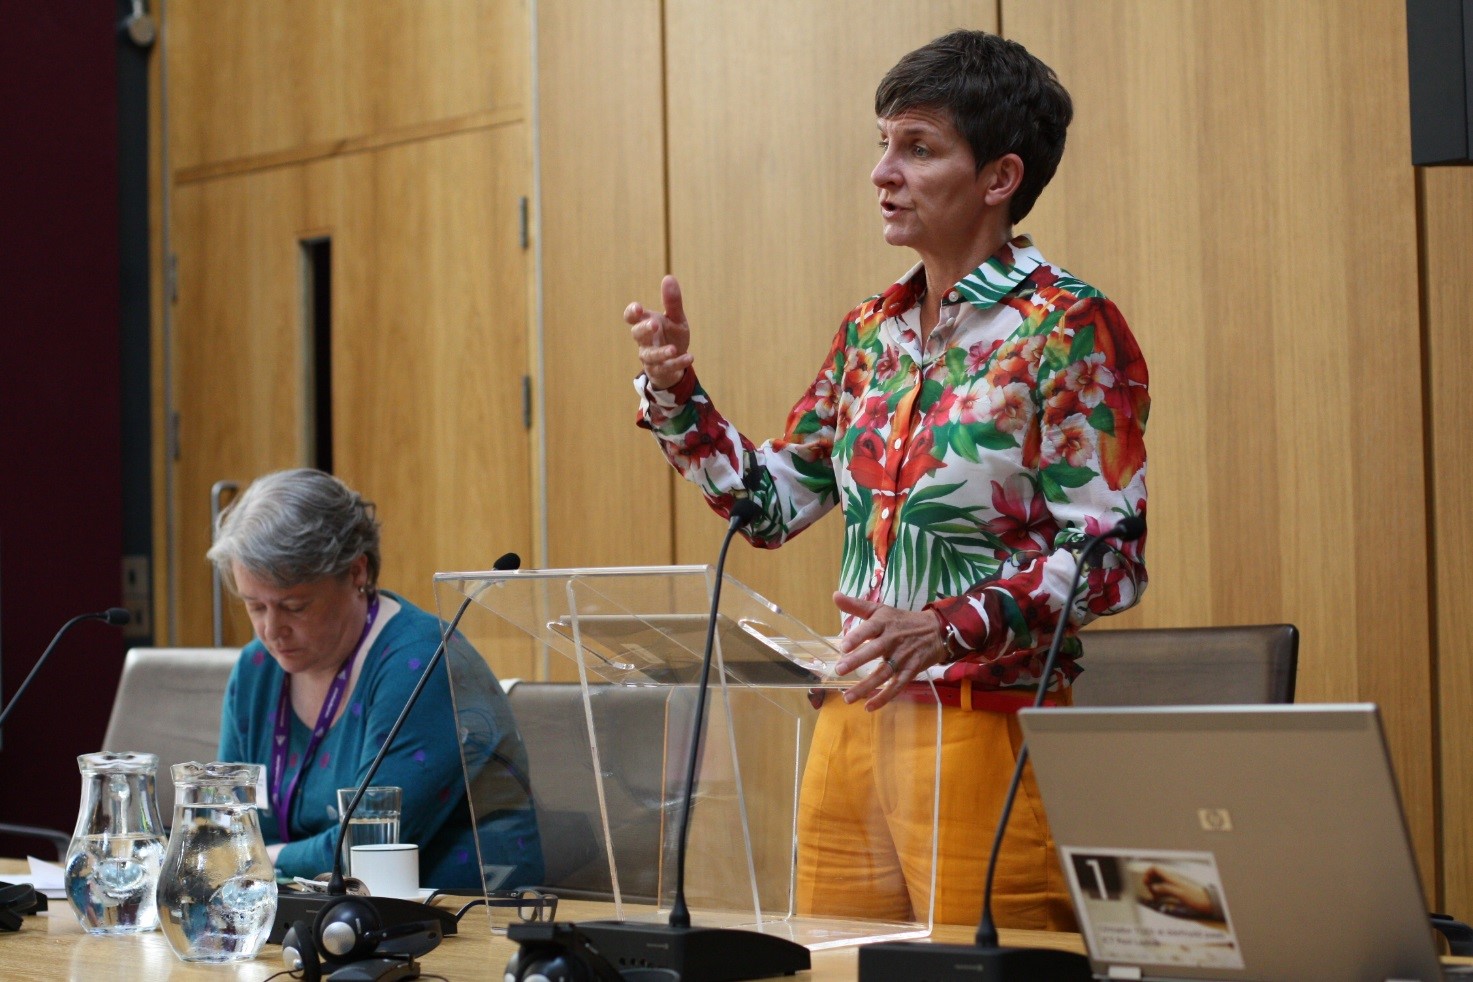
[{"x": 966, "y": 467}]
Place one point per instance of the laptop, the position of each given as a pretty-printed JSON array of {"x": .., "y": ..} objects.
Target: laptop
[{"x": 1233, "y": 842}]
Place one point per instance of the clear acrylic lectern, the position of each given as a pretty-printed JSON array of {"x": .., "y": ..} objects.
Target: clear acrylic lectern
[{"x": 607, "y": 755}]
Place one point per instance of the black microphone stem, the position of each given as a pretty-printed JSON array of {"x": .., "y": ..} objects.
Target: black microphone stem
[
  {"x": 986, "y": 929},
  {"x": 335, "y": 884},
  {"x": 111, "y": 615},
  {"x": 676, "y": 950},
  {"x": 741, "y": 513}
]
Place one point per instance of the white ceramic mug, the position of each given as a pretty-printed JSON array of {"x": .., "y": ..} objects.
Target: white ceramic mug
[{"x": 389, "y": 870}]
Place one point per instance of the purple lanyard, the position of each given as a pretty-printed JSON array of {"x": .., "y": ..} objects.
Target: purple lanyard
[{"x": 281, "y": 802}]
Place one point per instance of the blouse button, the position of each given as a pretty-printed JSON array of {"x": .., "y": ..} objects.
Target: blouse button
[
  {"x": 897, "y": 443},
  {"x": 953, "y": 297},
  {"x": 885, "y": 513}
]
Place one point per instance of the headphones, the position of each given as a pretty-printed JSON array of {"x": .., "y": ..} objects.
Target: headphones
[
  {"x": 299, "y": 952},
  {"x": 555, "y": 952},
  {"x": 16, "y": 901},
  {"x": 349, "y": 929}
]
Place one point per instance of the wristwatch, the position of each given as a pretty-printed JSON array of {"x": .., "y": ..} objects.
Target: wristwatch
[{"x": 951, "y": 641}]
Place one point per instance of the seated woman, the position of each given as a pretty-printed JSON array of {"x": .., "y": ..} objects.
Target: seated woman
[{"x": 332, "y": 666}]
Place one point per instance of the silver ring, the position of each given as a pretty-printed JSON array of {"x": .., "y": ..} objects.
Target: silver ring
[{"x": 891, "y": 665}]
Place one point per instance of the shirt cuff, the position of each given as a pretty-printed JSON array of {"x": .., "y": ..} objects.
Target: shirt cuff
[
  {"x": 951, "y": 638},
  {"x": 658, "y": 405}
]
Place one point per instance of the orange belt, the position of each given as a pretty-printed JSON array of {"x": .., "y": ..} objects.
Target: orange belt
[{"x": 963, "y": 695}]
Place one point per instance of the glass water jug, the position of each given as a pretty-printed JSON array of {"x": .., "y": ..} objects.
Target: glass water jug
[
  {"x": 217, "y": 888},
  {"x": 112, "y": 865}
]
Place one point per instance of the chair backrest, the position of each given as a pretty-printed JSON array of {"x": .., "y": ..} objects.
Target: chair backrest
[
  {"x": 168, "y": 703},
  {"x": 647, "y": 726},
  {"x": 1189, "y": 666}
]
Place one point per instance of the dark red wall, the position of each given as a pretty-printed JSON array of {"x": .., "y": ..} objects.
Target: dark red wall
[{"x": 60, "y": 458}]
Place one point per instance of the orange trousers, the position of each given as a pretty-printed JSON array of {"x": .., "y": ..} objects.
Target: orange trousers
[{"x": 864, "y": 820}]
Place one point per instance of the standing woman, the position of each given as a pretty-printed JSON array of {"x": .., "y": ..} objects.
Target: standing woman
[
  {"x": 333, "y": 664},
  {"x": 976, "y": 421}
]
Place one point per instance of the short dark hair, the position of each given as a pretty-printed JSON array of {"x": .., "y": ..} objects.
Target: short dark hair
[{"x": 1001, "y": 99}]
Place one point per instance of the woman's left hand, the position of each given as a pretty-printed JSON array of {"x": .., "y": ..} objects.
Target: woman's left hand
[{"x": 907, "y": 642}]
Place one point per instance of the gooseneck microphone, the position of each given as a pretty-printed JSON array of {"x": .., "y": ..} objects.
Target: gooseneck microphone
[
  {"x": 113, "y": 615},
  {"x": 742, "y": 513},
  {"x": 674, "y": 951},
  {"x": 335, "y": 886},
  {"x": 900, "y": 961},
  {"x": 345, "y": 928}
]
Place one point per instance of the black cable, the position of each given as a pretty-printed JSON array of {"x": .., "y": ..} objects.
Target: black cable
[{"x": 517, "y": 900}]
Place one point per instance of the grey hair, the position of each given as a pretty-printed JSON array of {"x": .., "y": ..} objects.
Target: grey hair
[{"x": 295, "y": 526}]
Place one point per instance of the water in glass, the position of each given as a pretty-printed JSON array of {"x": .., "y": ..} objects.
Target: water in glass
[
  {"x": 372, "y": 831},
  {"x": 375, "y": 820}
]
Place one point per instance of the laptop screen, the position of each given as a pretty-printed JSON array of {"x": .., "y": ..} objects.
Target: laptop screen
[{"x": 1233, "y": 842}]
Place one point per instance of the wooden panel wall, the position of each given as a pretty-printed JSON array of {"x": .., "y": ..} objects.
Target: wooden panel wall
[
  {"x": 402, "y": 131},
  {"x": 1239, "y": 180},
  {"x": 602, "y": 147},
  {"x": 774, "y": 225},
  {"x": 1447, "y": 215},
  {"x": 287, "y": 76}
]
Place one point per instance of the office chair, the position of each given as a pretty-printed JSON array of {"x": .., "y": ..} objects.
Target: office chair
[
  {"x": 168, "y": 703},
  {"x": 60, "y": 841},
  {"x": 1188, "y": 666},
  {"x": 652, "y": 724}
]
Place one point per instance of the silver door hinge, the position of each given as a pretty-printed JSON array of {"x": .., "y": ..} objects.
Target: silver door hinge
[
  {"x": 525, "y": 217},
  {"x": 527, "y": 402}
]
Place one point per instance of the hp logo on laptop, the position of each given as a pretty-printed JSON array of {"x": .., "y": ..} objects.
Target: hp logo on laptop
[{"x": 1214, "y": 819}]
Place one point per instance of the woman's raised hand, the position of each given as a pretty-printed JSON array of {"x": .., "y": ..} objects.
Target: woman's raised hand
[{"x": 663, "y": 339}]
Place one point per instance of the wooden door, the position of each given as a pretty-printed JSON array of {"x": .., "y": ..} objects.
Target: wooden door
[
  {"x": 239, "y": 349},
  {"x": 429, "y": 359}
]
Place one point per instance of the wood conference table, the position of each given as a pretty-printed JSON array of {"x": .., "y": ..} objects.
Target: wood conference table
[{"x": 53, "y": 946}]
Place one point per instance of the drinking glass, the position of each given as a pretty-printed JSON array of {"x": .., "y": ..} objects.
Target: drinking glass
[{"x": 375, "y": 821}]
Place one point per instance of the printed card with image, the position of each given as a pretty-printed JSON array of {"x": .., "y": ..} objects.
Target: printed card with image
[{"x": 1152, "y": 907}]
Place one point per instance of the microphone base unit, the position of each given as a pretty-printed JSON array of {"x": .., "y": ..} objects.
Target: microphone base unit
[
  {"x": 695, "y": 954},
  {"x": 907, "y": 961},
  {"x": 375, "y": 970},
  {"x": 392, "y": 912}
]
